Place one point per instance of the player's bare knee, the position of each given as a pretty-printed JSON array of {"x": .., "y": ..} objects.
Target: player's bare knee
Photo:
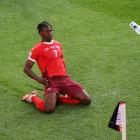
[
  {"x": 87, "y": 100},
  {"x": 50, "y": 110}
]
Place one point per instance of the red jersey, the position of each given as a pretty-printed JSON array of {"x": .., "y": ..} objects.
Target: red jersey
[{"x": 49, "y": 57}]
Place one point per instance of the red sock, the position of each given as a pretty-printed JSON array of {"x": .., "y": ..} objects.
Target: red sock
[
  {"x": 39, "y": 103},
  {"x": 67, "y": 100}
]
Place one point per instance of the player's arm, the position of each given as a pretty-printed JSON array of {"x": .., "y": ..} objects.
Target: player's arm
[{"x": 28, "y": 70}]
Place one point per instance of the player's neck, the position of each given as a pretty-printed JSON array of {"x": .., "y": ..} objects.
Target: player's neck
[{"x": 46, "y": 40}]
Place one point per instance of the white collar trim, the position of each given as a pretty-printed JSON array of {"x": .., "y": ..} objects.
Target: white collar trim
[{"x": 48, "y": 42}]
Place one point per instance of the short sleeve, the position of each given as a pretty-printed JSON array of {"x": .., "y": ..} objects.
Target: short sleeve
[{"x": 33, "y": 54}]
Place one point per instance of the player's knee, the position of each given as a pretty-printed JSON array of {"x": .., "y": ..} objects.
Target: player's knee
[
  {"x": 50, "y": 110},
  {"x": 87, "y": 100}
]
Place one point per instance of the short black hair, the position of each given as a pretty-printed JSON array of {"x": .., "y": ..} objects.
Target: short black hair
[{"x": 42, "y": 25}]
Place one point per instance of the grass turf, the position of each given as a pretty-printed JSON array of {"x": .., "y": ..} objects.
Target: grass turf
[{"x": 101, "y": 52}]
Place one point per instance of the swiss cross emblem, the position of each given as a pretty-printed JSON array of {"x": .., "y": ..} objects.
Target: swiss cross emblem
[{"x": 57, "y": 46}]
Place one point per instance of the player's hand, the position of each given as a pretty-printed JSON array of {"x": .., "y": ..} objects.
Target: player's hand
[{"x": 42, "y": 81}]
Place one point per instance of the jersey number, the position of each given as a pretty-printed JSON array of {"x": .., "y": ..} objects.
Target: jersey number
[{"x": 55, "y": 52}]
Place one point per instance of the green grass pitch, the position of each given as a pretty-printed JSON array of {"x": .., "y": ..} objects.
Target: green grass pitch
[{"x": 101, "y": 52}]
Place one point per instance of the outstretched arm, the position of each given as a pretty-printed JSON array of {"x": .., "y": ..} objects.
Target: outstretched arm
[{"x": 28, "y": 70}]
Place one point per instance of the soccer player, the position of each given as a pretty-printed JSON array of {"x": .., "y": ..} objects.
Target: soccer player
[{"x": 49, "y": 57}]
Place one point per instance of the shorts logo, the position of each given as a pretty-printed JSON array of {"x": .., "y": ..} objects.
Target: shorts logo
[{"x": 49, "y": 89}]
